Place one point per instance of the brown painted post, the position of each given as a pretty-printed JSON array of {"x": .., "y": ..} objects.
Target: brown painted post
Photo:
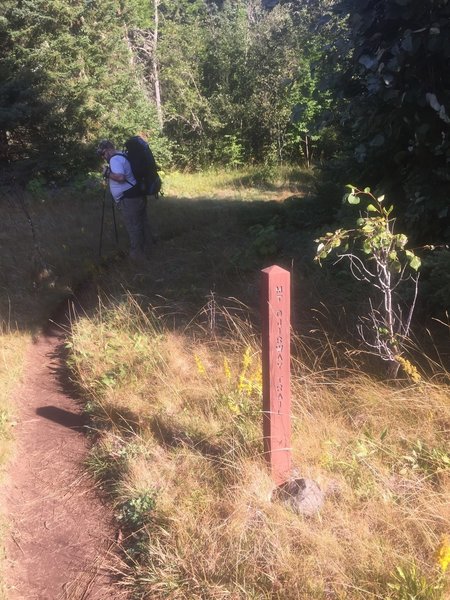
[{"x": 276, "y": 358}]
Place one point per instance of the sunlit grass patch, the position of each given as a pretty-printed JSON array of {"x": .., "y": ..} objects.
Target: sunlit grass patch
[
  {"x": 251, "y": 183},
  {"x": 178, "y": 419}
]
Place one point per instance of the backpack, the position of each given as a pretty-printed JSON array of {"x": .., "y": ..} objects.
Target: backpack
[{"x": 144, "y": 168}]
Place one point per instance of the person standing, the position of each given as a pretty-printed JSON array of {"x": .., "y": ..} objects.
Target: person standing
[{"x": 130, "y": 200}]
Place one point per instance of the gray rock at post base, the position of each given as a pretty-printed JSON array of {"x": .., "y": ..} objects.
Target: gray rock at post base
[{"x": 303, "y": 496}]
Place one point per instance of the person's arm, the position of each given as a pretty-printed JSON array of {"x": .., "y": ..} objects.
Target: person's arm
[{"x": 118, "y": 176}]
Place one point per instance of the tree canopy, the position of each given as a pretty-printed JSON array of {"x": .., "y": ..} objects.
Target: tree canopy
[
  {"x": 236, "y": 81},
  {"x": 67, "y": 78}
]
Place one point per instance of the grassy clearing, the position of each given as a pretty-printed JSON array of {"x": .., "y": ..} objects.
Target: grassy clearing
[
  {"x": 178, "y": 449},
  {"x": 49, "y": 241},
  {"x": 251, "y": 183}
]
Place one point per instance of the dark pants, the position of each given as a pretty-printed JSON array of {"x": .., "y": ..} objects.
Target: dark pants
[{"x": 134, "y": 214}]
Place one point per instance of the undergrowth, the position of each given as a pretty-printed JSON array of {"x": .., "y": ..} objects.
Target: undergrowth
[{"x": 178, "y": 449}]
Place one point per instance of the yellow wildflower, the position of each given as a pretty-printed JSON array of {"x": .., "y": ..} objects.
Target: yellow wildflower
[
  {"x": 200, "y": 366},
  {"x": 244, "y": 386},
  {"x": 258, "y": 379},
  {"x": 409, "y": 368},
  {"x": 443, "y": 553},
  {"x": 246, "y": 359},
  {"x": 243, "y": 383},
  {"x": 226, "y": 368}
]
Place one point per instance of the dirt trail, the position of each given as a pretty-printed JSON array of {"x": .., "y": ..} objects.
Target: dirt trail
[{"x": 60, "y": 544}]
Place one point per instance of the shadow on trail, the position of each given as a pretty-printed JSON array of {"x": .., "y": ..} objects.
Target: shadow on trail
[{"x": 62, "y": 417}]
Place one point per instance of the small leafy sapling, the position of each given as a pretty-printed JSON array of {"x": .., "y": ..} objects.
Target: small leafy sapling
[{"x": 378, "y": 255}]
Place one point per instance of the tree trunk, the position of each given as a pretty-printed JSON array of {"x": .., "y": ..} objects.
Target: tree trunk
[
  {"x": 393, "y": 367},
  {"x": 307, "y": 151}
]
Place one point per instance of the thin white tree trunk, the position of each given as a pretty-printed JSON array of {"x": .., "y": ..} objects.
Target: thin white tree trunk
[{"x": 155, "y": 65}]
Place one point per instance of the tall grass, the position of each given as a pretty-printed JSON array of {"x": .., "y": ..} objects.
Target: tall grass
[{"x": 179, "y": 450}]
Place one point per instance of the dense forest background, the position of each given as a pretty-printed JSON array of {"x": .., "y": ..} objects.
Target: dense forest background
[{"x": 358, "y": 89}]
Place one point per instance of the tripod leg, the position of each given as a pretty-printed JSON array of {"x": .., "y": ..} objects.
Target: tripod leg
[
  {"x": 114, "y": 221},
  {"x": 101, "y": 226}
]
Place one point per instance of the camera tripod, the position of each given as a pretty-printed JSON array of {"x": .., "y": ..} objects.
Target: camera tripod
[{"x": 116, "y": 234}]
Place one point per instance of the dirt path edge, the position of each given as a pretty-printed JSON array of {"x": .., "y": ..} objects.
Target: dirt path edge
[{"x": 60, "y": 544}]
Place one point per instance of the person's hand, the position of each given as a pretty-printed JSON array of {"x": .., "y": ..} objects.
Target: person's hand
[{"x": 106, "y": 172}]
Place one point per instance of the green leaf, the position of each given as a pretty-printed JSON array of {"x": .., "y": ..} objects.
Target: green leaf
[
  {"x": 415, "y": 263},
  {"x": 400, "y": 240},
  {"x": 367, "y": 190},
  {"x": 372, "y": 208},
  {"x": 352, "y": 199},
  {"x": 380, "y": 198},
  {"x": 396, "y": 266}
]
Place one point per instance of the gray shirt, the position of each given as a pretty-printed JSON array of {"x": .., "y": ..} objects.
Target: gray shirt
[{"x": 120, "y": 165}]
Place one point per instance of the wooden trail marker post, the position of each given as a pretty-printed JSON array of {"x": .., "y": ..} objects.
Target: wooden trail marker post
[{"x": 276, "y": 369}]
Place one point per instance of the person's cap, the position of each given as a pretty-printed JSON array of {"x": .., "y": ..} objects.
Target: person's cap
[{"x": 103, "y": 145}]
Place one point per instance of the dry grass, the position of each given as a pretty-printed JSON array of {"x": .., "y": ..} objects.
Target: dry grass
[
  {"x": 12, "y": 353},
  {"x": 179, "y": 449}
]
